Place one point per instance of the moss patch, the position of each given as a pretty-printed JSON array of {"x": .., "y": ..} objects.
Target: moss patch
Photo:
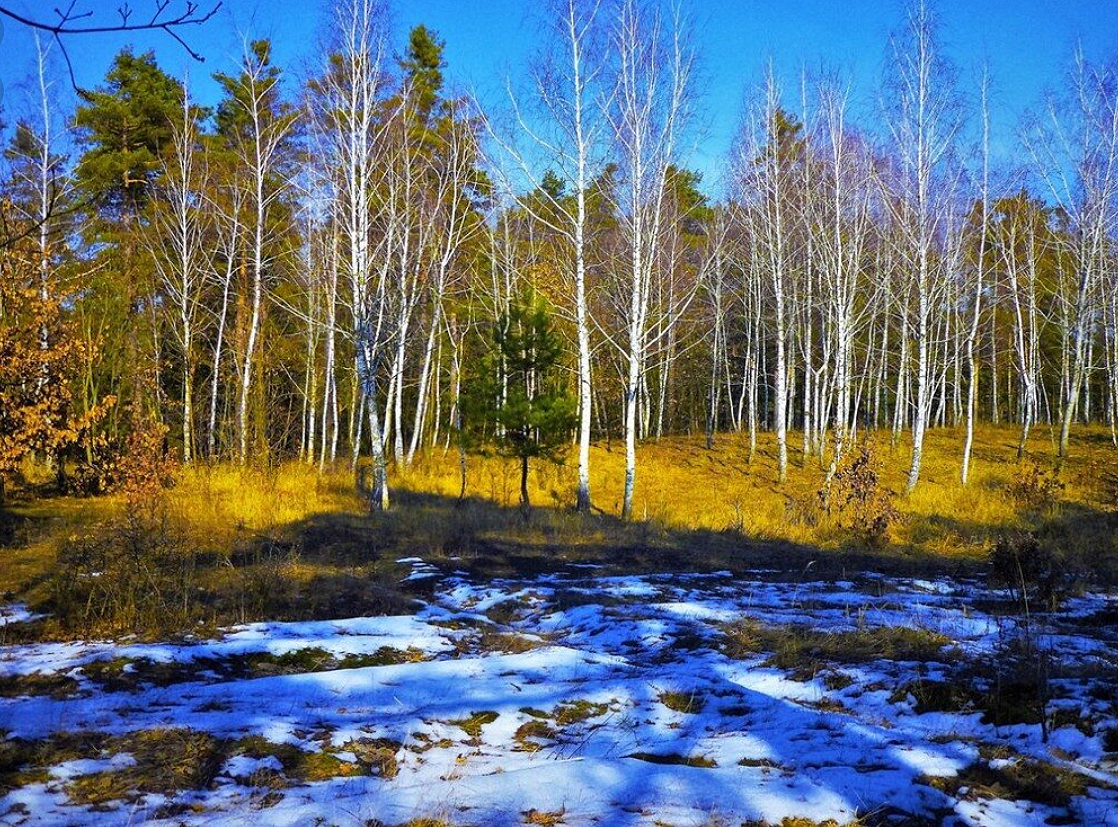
[
  {"x": 575, "y": 712},
  {"x": 167, "y": 760},
  {"x": 38, "y": 684},
  {"x": 135, "y": 674},
  {"x": 1004, "y": 705},
  {"x": 807, "y": 651},
  {"x": 544, "y": 818},
  {"x": 1015, "y": 780},
  {"x": 527, "y": 734}
]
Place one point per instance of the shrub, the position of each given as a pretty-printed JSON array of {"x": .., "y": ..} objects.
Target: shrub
[
  {"x": 802, "y": 509},
  {"x": 861, "y": 501},
  {"x": 129, "y": 576},
  {"x": 1027, "y": 568},
  {"x": 146, "y": 467},
  {"x": 1035, "y": 487}
]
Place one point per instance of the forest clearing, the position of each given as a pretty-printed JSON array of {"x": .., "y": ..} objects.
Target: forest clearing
[
  {"x": 566, "y": 413},
  {"x": 451, "y": 662}
]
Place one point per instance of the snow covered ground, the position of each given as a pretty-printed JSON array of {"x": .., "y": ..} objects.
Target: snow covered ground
[{"x": 583, "y": 699}]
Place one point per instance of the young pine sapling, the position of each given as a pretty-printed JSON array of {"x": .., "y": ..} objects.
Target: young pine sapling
[{"x": 518, "y": 398}]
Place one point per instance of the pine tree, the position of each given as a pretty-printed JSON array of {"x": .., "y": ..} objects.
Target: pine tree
[
  {"x": 125, "y": 125},
  {"x": 124, "y": 128},
  {"x": 423, "y": 66},
  {"x": 518, "y": 396}
]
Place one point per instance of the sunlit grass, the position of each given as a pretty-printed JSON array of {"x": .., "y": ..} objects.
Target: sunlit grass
[
  {"x": 217, "y": 504},
  {"x": 681, "y": 486}
]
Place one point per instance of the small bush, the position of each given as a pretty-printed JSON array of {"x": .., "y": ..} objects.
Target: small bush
[
  {"x": 1035, "y": 487},
  {"x": 859, "y": 498},
  {"x": 1028, "y": 570},
  {"x": 128, "y": 576},
  {"x": 803, "y": 509}
]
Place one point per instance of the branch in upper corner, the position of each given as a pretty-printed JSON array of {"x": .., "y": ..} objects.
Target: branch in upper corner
[{"x": 68, "y": 24}]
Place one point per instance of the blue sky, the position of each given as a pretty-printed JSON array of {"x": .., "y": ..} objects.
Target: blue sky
[{"x": 1028, "y": 44}]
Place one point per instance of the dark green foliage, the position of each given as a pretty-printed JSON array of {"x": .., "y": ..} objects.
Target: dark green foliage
[
  {"x": 125, "y": 126},
  {"x": 258, "y": 76},
  {"x": 553, "y": 185},
  {"x": 517, "y": 396},
  {"x": 423, "y": 66}
]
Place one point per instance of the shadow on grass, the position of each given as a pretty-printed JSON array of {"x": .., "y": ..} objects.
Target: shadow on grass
[
  {"x": 489, "y": 540},
  {"x": 340, "y": 564}
]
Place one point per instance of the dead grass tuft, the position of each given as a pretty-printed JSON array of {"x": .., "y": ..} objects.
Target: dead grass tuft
[
  {"x": 473, "y": 724},
  {"x": 1015, "y": 780},
  {"x": 806, "y": 652},
  {"x": 575, "y": 712},
  {"x": 529, "y": 734},
  {"x": 675, "y": 759},
  {"x": 686, "y": 702},
  {"x": 167, "y": 761},
  {"x": 543, "y": 818},
  {"x": 51, "y": 684}
]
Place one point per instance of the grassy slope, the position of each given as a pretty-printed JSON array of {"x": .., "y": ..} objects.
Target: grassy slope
[
  {"x": 701, "y": 510},
  {"x": 682, "y": 485}
]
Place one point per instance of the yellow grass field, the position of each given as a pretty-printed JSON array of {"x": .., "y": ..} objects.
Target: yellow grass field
[
  {"x": 681, "y": 487},
  {"x": 681, "y": 484}
]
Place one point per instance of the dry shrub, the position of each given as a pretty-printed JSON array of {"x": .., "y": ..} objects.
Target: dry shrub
[
  {"x": 860, "y": 499},
  {"x": 803, "y": 509},
  {"x": 262, "y": 580},
  {"x": 140, "y": 467},
  {"x": 1029, "y": 570},
  {"x": 1035, "y": 487},
  {"x": 129, "y": 574},
  {"x": 1036, "y": 579}
]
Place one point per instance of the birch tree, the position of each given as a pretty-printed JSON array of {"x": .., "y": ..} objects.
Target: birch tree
[
  {"x": 179, "y": 229},
  {"x": 923, "y": 127},
  {"x": 567, "y": 100},
  {"x": 1074, "y": 145},
  {"x": 258, "y": 126},
  {"x": 979, "y": 285},
  {"x": 649, "y": 110},
  {"x": 358, "y": 131}
]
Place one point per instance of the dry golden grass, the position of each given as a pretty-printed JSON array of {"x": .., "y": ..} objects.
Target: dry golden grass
[
  {"x": 234, "y": 528},
  {"x": 214, "y": 507},
  {"x": 682, "y": 485},
  {"x": 217, "y": 504},
  {"x": 305, "y": 540}
]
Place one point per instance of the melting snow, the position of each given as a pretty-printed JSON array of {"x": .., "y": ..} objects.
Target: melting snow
[{"x": 606, "y": 747}]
